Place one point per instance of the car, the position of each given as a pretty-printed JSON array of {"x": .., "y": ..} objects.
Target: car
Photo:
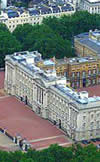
[
  {"x": 97, "y": 139},
  {"x": 93, "y": 140},
  {"x": 98, "y": 146},
  {"x": 85, "y": 142}
]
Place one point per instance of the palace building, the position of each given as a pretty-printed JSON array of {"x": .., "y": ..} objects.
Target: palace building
[
  {"x": 79, "y": 72},
  {"x": 47, "y": 94},
  {"x": 83, "y": 72}
]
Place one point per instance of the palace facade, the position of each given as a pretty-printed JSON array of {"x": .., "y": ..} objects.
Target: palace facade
[{"x": 47, "y": 95}]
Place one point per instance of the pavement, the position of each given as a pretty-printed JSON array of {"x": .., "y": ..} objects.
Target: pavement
[
  {"x": 17, "y": 118},
  {"x": 6, "y": 143}
]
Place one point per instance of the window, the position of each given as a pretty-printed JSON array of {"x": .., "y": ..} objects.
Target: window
[
  {"x": 84, "y": 117},
  {"x": 91, "y": 125},
  {"x": 91, "y": 134},
  {"x": 94, "y": 81},
  {"x": 84, "y": 125},
  {"x": 97, "y": 70},
  {"x": 94, "y": 71},
  {"x": 89, "y": 72},
  {"x": 78, "y": 74},
  {"x": 99, "y": 80},
  {"x": 92, "y": 116},
  {"x": 73, "y": 84},
  {"x": 77, "y": 84},
  {"x": 40, "y": 95},
  {"x": 89, "y": 82},
  {"x": 97, "y": 133},
  {"x": 73, "y": 74},
  {"x": 98, "y": 123},
  {"x": 98, "y": 115},
  {"x": 37, "y": 93},
  {"x": 84, "y": 74}
]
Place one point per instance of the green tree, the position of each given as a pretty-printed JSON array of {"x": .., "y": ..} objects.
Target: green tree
[{"x": 8, "y": 45}]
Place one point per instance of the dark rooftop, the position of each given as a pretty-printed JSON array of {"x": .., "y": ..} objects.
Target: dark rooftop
[
  {"x": 34, "y": 12},
  {"x": 85, "y": 40},
  {"x": 12, "y": 13},
  {"x": 55, "y": 9}
]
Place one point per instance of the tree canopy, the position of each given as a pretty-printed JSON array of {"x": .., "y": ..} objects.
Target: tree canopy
[
  {"x": 54, "y": 37},
  {"x": 54, "y": 153},
  {"x": 8, "y": 43},
  {"x": 44, "y": 39}
]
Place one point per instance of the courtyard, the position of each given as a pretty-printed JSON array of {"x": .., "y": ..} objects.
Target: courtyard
[{"x": 19, "y": 119}]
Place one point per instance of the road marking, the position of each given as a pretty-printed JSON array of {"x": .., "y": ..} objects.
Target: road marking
[
  {"x": 43, "y": 139},
  {"x": 3, "y": 97},
  {"x": 62, "y": 144}
]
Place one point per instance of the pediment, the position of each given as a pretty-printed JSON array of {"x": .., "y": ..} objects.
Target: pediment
[{"x": 40, "y": 82}]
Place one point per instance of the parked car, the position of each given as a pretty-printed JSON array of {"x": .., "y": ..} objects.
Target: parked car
[
  {"x": 98, "y": 146},
  {"x": 97, "y": 139},
  {"x": 93, "y": 140},
  {"x": 85, "y": 142}
]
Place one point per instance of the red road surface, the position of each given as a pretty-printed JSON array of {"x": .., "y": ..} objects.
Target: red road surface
[
  {"x": 45, "y": 143},
  {"x": 19, "y": 119}
]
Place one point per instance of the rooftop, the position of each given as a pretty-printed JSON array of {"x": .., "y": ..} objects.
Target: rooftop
[
  {"x": 79, "y": 98},
  {"x": 93, "y": 1},
  {"x": 76, "y": 60},
  {"x": 12, "y": 11},
  {"x": 92, "y": 91},
  {"x": 81, "y": 60},
  {"x": 93, "y": 44},
  {"x": 48, "y": 62},
  {"x": 28, "y": 62}
]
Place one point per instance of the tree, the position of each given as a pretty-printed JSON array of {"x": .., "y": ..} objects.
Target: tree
[
  {"x": 21, "y": 32},
  {"x": 43, "y": 39},
  {"x": 55, "y": 153},
  {"x": 8, "y": 45},
  {"x": 54, "y": 37}
]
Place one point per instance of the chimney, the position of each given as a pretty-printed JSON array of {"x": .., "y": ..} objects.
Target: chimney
[{"x": 90, "y": 33}]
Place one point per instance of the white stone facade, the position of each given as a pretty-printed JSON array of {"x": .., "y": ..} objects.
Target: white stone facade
[
  {"x": 78, "y": 117},
  {"x": 3, "y": 4},
  {"x": 92, "y": 6}
]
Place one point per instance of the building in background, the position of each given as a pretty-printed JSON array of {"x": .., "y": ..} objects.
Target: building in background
[
  {"x": 83, "y": 72},
  {"x": 87, "y": 44},
  {"x": 79, "y": 72},
  {"x": 13, "y": 16}
]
